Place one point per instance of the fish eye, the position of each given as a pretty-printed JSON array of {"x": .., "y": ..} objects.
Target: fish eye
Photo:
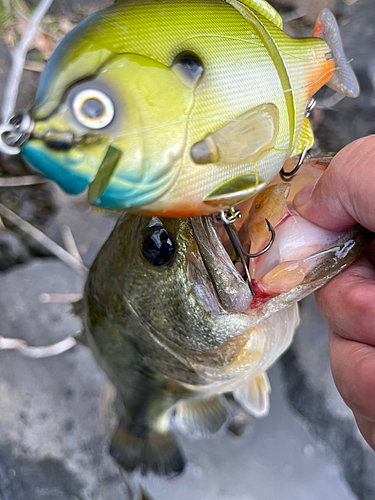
[
  {"x": 157, "y": 246},
  {"x": 189, "y": 67},
  {"x": 93, "y": 108}
]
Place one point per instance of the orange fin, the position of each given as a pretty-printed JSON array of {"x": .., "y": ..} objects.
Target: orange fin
[{"x": 343, "y": 79}]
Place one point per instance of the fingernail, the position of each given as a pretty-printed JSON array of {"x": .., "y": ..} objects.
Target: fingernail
[{"x": 303, "y": 196}]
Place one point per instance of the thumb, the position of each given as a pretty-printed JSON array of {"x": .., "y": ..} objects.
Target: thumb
[{"x": 345, "y": 194}]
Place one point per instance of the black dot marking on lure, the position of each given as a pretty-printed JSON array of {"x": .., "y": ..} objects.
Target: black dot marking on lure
[
  {"x": 93, "y": 108},
  {"x": 157, "y": 246},
  {"x": 189, "y": 67}
]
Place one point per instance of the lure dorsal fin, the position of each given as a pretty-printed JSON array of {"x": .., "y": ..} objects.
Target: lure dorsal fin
[
  {"x": 306, "y": 137},
  {"x": 254, "y": 397},
  {"x": 266, "y": 10},
  {"x": 343, "y": 79}
]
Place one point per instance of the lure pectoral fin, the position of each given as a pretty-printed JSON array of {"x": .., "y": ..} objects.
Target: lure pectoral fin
[
  {"x": 104, "y": 174},
  {"x": 246, "y": 139},
  {"x": 236, "y": 189}
]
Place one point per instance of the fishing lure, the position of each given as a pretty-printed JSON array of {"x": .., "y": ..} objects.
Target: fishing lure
[{"x": 178, "y": 108}]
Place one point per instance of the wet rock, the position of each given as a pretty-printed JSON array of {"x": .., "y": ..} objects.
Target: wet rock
[
  {"x": 51, "y": 446},
  {"x": 12, "y": 251}
]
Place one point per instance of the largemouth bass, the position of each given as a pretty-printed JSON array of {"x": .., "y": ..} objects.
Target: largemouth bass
[
  {"x": 173, "y": 324},
  {"x": 180, "y": 108}
]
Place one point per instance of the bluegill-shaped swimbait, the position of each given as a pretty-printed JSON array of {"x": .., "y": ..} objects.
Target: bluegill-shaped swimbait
[
  {"x": 172, "y": 322},
  {"x": 180, "y": 108}
]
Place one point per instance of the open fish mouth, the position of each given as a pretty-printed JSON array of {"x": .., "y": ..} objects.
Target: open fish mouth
[{"x": 302, "y": 258}]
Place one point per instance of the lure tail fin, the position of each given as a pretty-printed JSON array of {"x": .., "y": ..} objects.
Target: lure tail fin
[
  {"x": 343, "y": 79},
  {"x": 147, "y": 451}
]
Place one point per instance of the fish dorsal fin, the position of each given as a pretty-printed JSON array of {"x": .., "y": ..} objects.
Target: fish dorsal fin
[
  {"x": 201, "y": 417},
  {"x": 266, "y": 10},
  {"x": 306, "y": 137},
  {"x": 253, "y": 396}
]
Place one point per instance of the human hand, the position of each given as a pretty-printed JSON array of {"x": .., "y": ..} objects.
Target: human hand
[{"x": 343, "y": 197}]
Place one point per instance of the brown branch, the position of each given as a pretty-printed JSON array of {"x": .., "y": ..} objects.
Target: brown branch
[
  {"x": 23, "y": 180},
  {"x": 41, "y": 238}
]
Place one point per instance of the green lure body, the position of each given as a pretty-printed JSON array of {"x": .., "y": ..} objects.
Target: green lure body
[{"x": 202, "y": 102}]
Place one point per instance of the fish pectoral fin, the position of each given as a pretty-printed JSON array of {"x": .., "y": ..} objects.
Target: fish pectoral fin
[
  {"x": 343, "y": 79},
  {"x": 305, "y": 138},
  {"x": 146, "y": 450},
  {"x": 245, "y": 139},
  {"x": 201, "y": 417},
  {"x": 235, "y": 190},
  {"x": 253, "y": 396}
]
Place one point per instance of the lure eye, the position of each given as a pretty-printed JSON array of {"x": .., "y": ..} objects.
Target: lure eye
[
  {"x": 157, "y": 246},
  {"x": 93, "y": 109},
  {"x": 189, "y": 67}
]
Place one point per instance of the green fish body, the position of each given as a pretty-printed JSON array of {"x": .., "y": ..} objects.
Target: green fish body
[
  {"x": 180, "y": 108},
  {"x": 174, "y": 326}
]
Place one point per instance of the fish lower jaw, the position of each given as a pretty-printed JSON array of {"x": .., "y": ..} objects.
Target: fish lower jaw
[{"x": 301, "y": 255}]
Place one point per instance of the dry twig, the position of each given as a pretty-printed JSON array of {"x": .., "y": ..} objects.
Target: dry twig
[
  {"x": 41, "y": 238},
  {"x": 22, "y": 180},
  {"x": 70, "y": 243},
  {"x": 6, "y": 5},
  {"x": 37, "y": 352},
  {"x": 19, "y": 56},
  {"x": 59, "y": 298}
]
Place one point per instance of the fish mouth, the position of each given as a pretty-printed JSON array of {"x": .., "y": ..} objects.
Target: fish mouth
[
  {"x": 233, "y": 293},
  {"x": 302, "y": 258}
]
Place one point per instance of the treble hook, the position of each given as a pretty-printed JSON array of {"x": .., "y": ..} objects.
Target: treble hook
[
  {"x": 232, "y": 234},
  {"x": 286, "y": 176},
  {"x": 265, "y": 249}
]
